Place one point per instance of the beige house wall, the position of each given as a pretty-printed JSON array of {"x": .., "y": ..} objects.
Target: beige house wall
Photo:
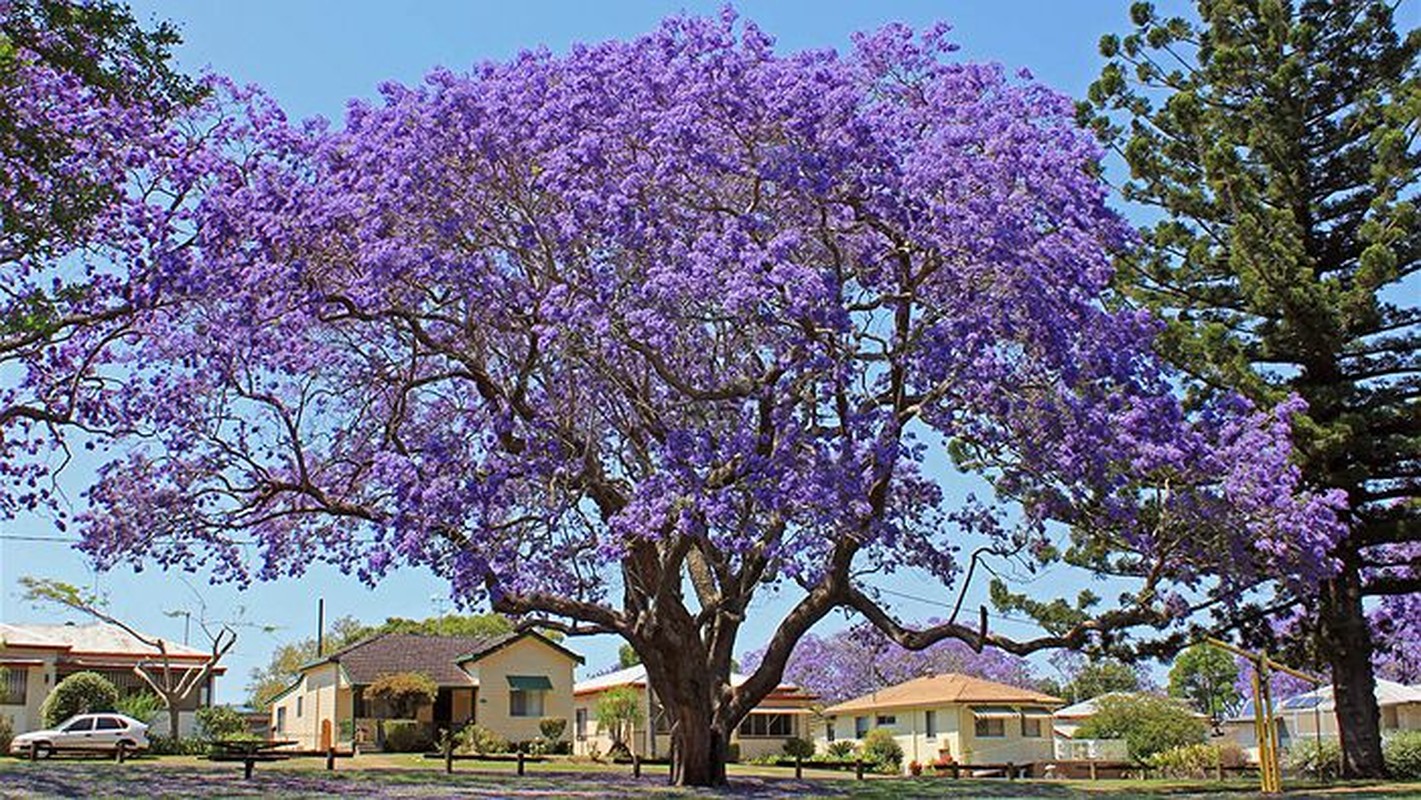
[
  {"x": 529, "y": 657},
  {"x": 320, "y": 695},
  {"x": 955, "y": 735},
  {"x": 599, "y": 739}
]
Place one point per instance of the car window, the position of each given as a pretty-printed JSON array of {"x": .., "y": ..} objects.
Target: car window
[
  {"x": 82, "y": 724},
  {"x": 110, "y": 724}
]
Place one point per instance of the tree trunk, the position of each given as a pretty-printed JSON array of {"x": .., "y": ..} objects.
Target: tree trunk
[
  {"x": 678, "y": 672},
  {"x": 174, "y": 718},
  {"x": 1347, "y": 642}
]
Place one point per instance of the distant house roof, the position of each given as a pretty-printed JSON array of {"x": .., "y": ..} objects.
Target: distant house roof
[
  {"x": 93, "y": 643},
  {"x": 946, "y": 688},
  {"x": 439, "y": 657},
  {"x": 1388, "y": 693},
  {"x": 636, "y": 676},
  {"x": 1085, "y": 708}
]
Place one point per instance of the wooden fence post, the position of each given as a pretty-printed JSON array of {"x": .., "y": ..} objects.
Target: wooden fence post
[
  {"x": 330, "y": 759},
  {"x": 798, "y": 766},
  {"x": 449, "y": 755},
  {"x": 858, "y": 768},
  {"x": 520, "y": 763},
  {"x": 636, "y": 765}
]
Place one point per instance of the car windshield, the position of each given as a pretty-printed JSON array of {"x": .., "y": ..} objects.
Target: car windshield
[{"x": 78, "y": 724}]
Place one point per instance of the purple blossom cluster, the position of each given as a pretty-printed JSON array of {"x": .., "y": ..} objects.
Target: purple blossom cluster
[
  {"x": 548, "y": 324},
  {"x": 861, "y": 659}
]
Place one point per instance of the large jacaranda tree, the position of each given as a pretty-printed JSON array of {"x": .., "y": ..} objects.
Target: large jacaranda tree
[{"x": 618, "y": 339}]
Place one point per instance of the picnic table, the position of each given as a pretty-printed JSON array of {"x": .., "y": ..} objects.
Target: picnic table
[{"x": 249, "y": 751}]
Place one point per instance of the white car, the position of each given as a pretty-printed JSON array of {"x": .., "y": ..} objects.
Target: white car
[{"x": 104, "y": 732}]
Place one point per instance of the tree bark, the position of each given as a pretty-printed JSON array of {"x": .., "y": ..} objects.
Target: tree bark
[
  {"x": 174, "y": 718},
  {"x": 690, "y": 695},
  {"x": 1347, "y": 642}
]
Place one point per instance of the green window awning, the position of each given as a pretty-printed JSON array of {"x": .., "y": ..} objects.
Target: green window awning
[{"x": 530, "y": 683}]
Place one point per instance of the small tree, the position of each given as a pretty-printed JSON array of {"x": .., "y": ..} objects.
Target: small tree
[
  {"x": 1205, "y": 677},
  {"x": 1148, "y": 723},
  {"x": 627, "y": 657},
  {"x": 405, "y": 692},
  {"x": 174, "y": 683},
  {"x": 80, "y": 693},
  {"x": 142, "y": 706},
  {"x": 619, "y": 711}
]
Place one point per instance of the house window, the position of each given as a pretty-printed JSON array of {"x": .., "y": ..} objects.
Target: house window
[
  {"x": 579, "y": 725},
  {"x": 298, "y": 705},
  {"x": 991, "y": 727},
  {"x": 829, "y": 730},
  {"x": 860, "y": 727},
  {"x": 1031, "y": 727},
  {"x": 885, "y": 720},
  {"x": 281, "y": 719},
  {"x": 930, "y": 722},
  {"x": 779, "y": 726},
  {"x": 526, "y": 693},
  {"x": 12, "y": 689}
]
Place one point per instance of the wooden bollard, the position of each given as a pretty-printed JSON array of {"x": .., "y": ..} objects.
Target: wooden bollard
[
  {"x": 956, "y": 770},
  {"x": 1093, "y": 774},
  {"x": 34, "y": 751},
  {"x": 449, "y": 755},
  {"x": 247, "y": 769},
  {"x": 1011, "y": 771},
  {"x": 1219, "y": 770},
  {"x": 798, "y": 767},
  {"x": 520, "y": 762},
  {"x": 636, "y": 765},
  {"x": 858, "y": 769},
  {"x": 330, "y": 759},
  {"x": 118, "y": 752}
]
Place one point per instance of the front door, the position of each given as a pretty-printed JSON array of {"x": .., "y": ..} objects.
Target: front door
[{"x": 444, "y": 709}]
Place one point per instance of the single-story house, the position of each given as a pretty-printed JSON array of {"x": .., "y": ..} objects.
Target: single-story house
[
  {"x": 506, "y": 683},
  {"x": 1313, "y": 715},
  {"x": 37, "y": 657},
  {"x": 784, "y": 714},
  {"x": 966, "y": 719}
]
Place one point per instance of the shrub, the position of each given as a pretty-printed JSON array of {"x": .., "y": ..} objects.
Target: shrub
[
  {"x": 1402, "y": 751},
  {"x": 220, "y": 722},
  {"x": 481, "y": 740},
  {"x": 7, "y": 732},
  {"x": 840, "y": 749},
  {"x": 1196, "y": 760},
  {"x": 142, "y": 706},
  {"x": 1148, "y": 724},
  {"x": 1318, "y": 759},
  {"x": 552, "y": 728},
  {"x": 405, "y": 692},
  {"x": 732, "y": 753},
  {"x": 406, "y": 736},
  {"x": 882, "y": 750},
  {"x": 80, "y": 693},
  {"x": 160, "y": 745},
  {"x": 796, "y": 747},
  {"x": 915, "y": 768}
]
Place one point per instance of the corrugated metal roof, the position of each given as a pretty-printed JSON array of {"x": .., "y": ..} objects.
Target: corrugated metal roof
[{"x": 97, "y": 638}]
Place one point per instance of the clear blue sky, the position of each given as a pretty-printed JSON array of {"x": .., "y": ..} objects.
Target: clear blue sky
[{"x": 313, "y": 57}]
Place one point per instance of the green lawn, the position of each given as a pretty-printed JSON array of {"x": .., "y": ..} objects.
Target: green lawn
[{"x": 412, "y": 776}]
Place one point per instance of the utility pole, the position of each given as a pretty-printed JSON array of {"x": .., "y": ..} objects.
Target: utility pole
[{"x": 320, "y": 627}]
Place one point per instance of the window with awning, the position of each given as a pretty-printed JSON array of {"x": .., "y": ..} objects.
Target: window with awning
[
  {"x": 994, "y": 712},
  {"x": 530, "y": 683},
  {"x": 526, "y": 695}
]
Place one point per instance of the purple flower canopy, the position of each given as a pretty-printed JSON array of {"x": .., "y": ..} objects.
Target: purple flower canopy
[
  {"x": 549, "y": 326},
  {"x": 861, "y": 659}
]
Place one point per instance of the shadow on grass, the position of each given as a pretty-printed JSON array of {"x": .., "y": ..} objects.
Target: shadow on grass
[{"x": 160, "y": 778}]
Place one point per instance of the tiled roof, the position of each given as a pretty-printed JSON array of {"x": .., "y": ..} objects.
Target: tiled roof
[
  {"x": 95, "y": 639},
  {"x": 943, "y": 689},
  {"x": 435, "y": 656}
]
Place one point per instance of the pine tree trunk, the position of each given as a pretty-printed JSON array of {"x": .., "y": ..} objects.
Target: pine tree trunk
[{"x": 1347, "y": 641}]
